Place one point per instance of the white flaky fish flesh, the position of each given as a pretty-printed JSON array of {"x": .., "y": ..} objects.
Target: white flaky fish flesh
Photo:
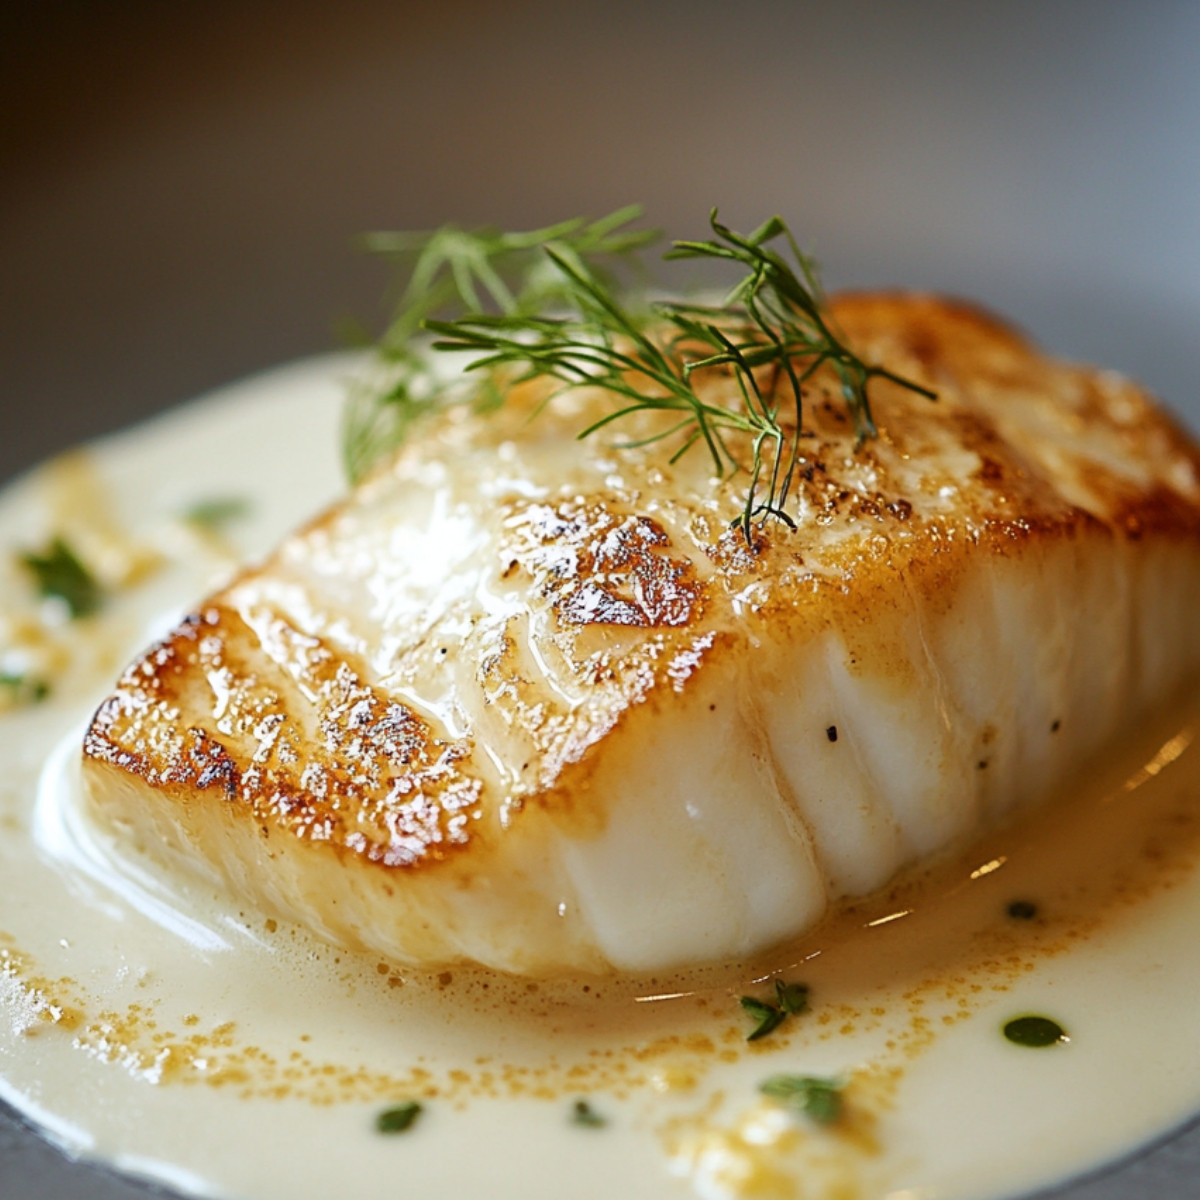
[{"x": 531, "y": 702}]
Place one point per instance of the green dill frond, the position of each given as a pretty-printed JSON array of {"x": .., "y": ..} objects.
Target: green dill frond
[
  {"x": 457, "y": 273},
  {"x": 546, "y": 303}
]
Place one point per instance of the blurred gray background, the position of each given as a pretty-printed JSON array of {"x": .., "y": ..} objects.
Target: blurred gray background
[{"x": 181, "y": 183}]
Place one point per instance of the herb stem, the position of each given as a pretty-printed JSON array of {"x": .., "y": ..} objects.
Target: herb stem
[{"x": 546, "y": 303}]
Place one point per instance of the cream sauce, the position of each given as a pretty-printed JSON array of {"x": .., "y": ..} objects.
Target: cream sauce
[{"x": 155, "y": 1024}]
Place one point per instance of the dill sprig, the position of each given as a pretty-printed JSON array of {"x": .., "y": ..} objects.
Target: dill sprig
[
  {"x": 456, "y": 272},
  {"x": 545, "y": 304}
]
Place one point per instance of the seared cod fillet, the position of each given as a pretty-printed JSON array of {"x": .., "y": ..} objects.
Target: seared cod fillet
[{"x": 530, "y": 702}]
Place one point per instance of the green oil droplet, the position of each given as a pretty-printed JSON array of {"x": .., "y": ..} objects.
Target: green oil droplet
[{"x": 1035, "y": 1031}]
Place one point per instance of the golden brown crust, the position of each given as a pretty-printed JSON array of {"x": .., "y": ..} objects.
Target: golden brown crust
[
  {"x": 640, "y": 585},
  {"x": 351, "y": 767}
]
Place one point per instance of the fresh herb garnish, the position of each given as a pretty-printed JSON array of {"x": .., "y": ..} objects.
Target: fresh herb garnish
[
  {"x": 58, "y": 573},
  {"x": 790, "y": 998},
  {"x": 24, "y": 689},
  {"x": 582, "y": 1113},
  {"x": 398, "y": 1118},
  {"x": 456, "y": 272},
  {"x": 1035, "y": 1031},
  {"x": 215, "y": 513},
  {"x": 817, "y": 1098},
  {"x": 544, "y": 304},
  {"x": 768, "y": 1017}
]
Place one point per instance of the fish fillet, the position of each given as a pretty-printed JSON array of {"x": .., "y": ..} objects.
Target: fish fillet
[{"x": 530, "y": 702}]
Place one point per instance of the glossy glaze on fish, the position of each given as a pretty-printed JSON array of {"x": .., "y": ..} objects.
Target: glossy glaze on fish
[{"x": 531, "y": 702}]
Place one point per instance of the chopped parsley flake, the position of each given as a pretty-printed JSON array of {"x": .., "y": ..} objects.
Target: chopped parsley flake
[
  {"x": 790, "y": 998},
  {"x": 58, "y": 573},
  {"x": 24, "y": 689},
  {"x": 216, "y": 512},
  {"x": 817, "y": 1098},
  {"x": 398, "y": 1118},
  {"x": 582, "y": 1113}
]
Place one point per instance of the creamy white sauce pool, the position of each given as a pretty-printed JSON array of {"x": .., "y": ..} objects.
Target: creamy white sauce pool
[{"x": 158, "y": 1025}]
